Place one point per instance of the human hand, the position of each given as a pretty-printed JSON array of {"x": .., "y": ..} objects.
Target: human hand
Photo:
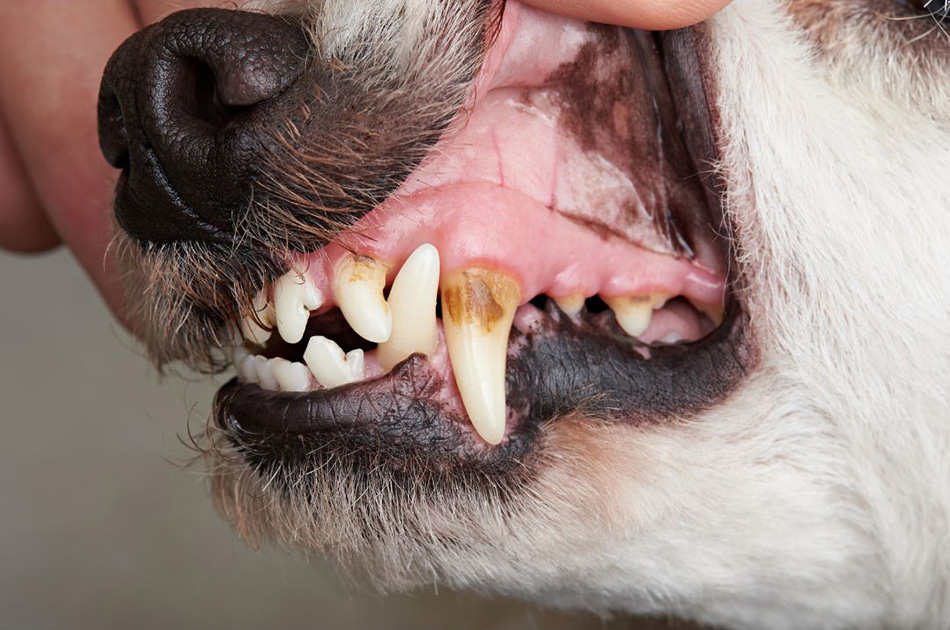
[{"x": 647, "y": 14}]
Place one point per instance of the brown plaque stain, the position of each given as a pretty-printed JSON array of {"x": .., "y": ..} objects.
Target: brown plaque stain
[{"x": 480, "y": 297}]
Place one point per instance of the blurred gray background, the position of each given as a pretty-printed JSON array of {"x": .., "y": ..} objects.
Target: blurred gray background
[{"x": 102, "y": 527}]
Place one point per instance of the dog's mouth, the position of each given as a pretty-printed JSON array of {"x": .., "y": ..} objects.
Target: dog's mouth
[{"x": 561, "y": 253}]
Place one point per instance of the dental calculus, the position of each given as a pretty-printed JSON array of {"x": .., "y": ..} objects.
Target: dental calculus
[
  {"x": 478, "y": 308},
  {"x": 358, "y": 286},
  {"x": 634, "y": 314}
]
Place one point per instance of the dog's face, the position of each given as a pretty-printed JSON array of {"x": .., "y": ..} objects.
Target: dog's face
[{"x": 609, "y": 319}]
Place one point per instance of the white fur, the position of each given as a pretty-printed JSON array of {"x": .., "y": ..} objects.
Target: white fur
[{"x": 817, "y": 496}]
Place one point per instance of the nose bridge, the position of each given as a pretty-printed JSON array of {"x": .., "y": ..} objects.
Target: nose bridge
[{"x": 185, "y": 110}]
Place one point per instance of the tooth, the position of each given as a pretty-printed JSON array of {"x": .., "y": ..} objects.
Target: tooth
[
  {"x": 247, "y": 369},
  {"x": 635, "y": 313},
  {"x": 265, "y": 373},
  {"x": 358, "y": 286},
  {"x": 251, "y": 330},
  {"x": 478, "y": 307},
  {"x": 330, "y": 366},
  {"x": 291, "y": 377},
  {"x": 571, "y": 305},
  {"x": 294, "y": 297},
  {"x": 715, "y": 312},
  {"x": 412, "y": 300}
]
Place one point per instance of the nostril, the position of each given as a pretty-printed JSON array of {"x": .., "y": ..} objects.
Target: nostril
[
  {"x": 113, "y": 137},
  {"x": 187, "y": 108},
  {"x": 201, "y": 97}
]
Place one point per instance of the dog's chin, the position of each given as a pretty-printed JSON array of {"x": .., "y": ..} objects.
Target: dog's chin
[{"x": 388, "y": 473}]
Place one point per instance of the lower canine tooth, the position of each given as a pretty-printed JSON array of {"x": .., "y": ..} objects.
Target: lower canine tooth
[
  {"x": 291, "y": 377},
  {"x": 358, "y": 285},
  {"x": 634, "y": 314},
  {"x": 412, "y": 300},
  {"x": 330, "y": 366},
  {"x": 294, "y": 298},
  {"x": 478, "y": 308},
  {"x": 250, "y": 328}
]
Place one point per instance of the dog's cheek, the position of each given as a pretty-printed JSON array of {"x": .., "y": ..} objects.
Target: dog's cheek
[
  {"x": 752, "y": 501},
  {"x": 880, "y": 47}
]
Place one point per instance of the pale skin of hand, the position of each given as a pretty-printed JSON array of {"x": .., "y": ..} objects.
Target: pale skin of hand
[{"x": 55, "y": 187}]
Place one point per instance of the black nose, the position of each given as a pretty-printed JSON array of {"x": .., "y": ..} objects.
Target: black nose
[{"x": 187, "y": 109}]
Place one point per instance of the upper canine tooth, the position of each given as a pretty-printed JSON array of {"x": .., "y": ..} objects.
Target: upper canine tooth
[
  {"x": 294, "y": 297},
  {"x": 412, "y": 300},
  {"x": 478, "y": 308},
  {"x": 330, "y": 366},
  {"x": 358, "y": 285},
  {"x": 250, "y": 328},
  {"x": 635, "y": 313}
]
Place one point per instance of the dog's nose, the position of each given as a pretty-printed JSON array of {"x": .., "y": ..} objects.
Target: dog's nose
[{"x": 187, "y": 109}]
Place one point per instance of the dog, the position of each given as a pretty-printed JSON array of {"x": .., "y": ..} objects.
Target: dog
[{"x": 647, "y": 323}]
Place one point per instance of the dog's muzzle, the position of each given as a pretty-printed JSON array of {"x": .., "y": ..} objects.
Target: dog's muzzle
[{"x": 186, "y": 111}]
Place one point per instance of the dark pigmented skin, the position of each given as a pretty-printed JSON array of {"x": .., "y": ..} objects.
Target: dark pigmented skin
[
  {"x": 185, "y": 110},
  {"x": 562, "y": 366},
  {"x": 617, "y": 104}
]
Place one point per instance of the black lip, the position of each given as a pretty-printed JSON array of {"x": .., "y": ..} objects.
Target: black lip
[{"x": 562, "y": 366}]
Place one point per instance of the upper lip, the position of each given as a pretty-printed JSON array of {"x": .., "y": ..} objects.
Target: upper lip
[{"x": 563, "y": 365}]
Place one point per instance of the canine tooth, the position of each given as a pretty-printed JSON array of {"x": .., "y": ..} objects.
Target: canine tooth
[
  {"x": 358, "y": 286},
  {"x": 478, "y": 308},
  {"x": 294, "y": 297},
  {"x": 291, "y": 377},
  {"x": 635, "y": 313},
  {"x": 265, "y": 373},
  {"x": 330, "y": 366},
  {"x": 247, "y": 369},
  {"x": 571, "y": 305},
  {"x": 412, "y": 300},
  {"x": 251, "y": 330}
]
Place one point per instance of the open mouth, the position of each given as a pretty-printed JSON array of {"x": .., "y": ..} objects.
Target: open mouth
[{"x": 559, "y": 254}]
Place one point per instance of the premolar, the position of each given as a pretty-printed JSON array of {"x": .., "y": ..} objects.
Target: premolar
[
  {"x": 478, "y": 308},
  {"x": 412, "y": 299},
  {"x": 291, "y": 377},
  {"x": 358, "y": 285},
  {"x": 571, "y": 305},
  {"x": 330, "y": 365},
  {"x": 635, "y": 313},
  {"x": 294, "y": 297}
]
